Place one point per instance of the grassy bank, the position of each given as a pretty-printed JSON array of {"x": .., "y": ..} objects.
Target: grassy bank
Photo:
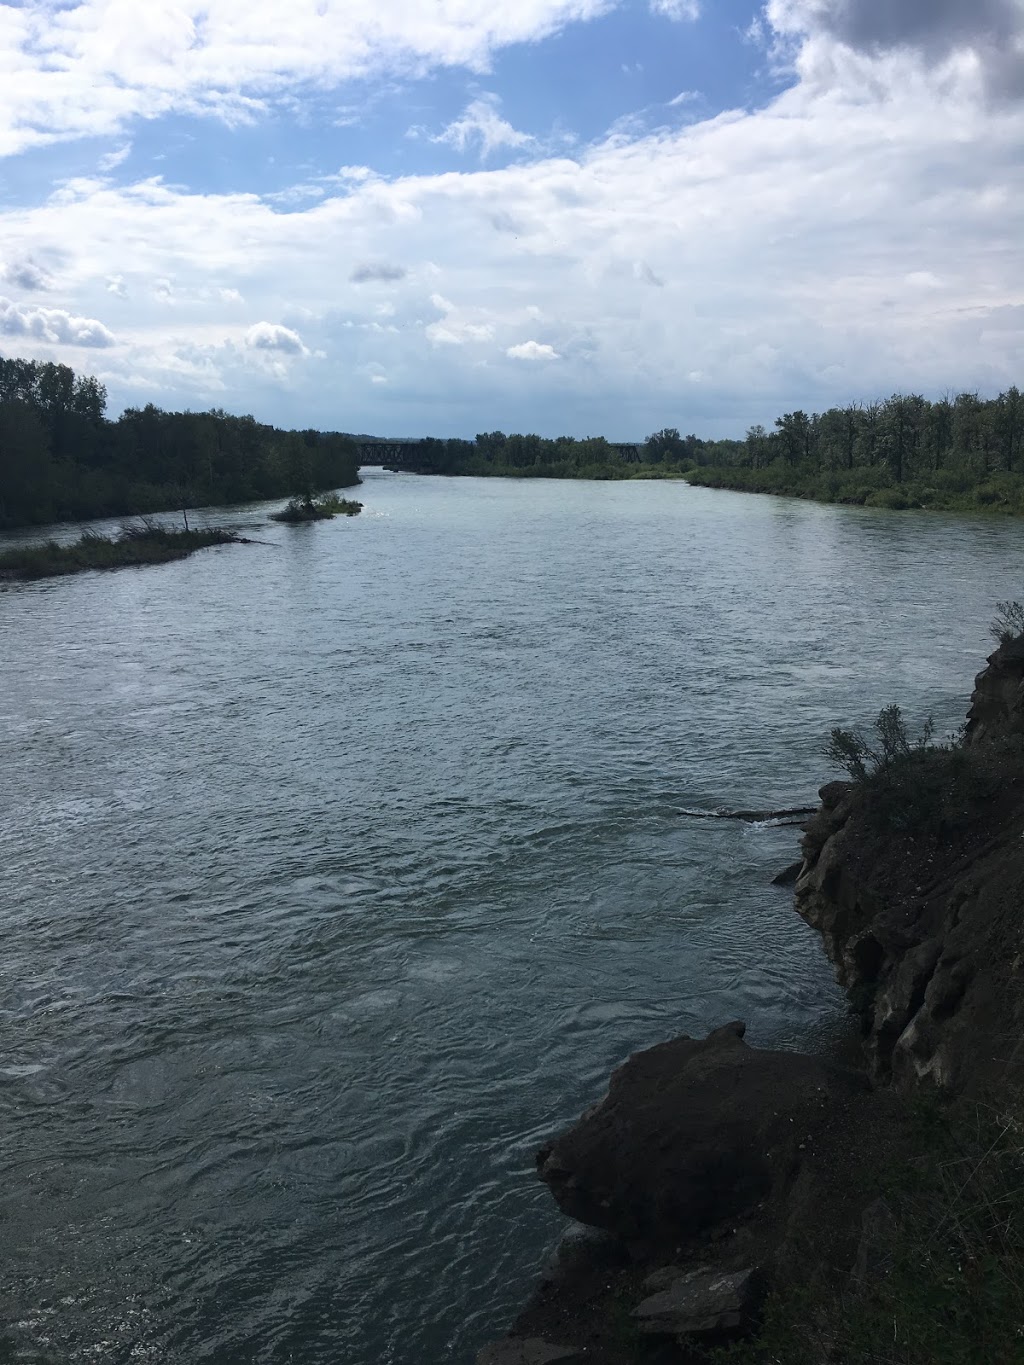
[
  {"x": 943, "y": 491},
  {"x": 131, "y": 547},
  {"x": 940, "y": 1274},
  {"x": 317, "y": 509}
]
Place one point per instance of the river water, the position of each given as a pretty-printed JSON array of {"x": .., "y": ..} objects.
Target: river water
[{"x": 341, "y": 868}]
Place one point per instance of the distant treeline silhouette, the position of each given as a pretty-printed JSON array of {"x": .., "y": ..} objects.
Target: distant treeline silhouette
[
  {"x": 567, "y": 457},
  {"x": 61, "y": 459}
]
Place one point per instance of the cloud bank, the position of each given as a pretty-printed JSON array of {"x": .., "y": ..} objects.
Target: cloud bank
[
  {"x": 70, "y": 70},
  {"x": 856, "y": 234}
]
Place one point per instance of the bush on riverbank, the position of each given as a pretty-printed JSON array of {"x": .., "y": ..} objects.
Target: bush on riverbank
[
  {"x": 308, "y": 508},
  {"x": 142, "y": 543}
]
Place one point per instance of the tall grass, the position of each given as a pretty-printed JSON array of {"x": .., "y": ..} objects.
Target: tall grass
[{"x": 137, "y": 543}]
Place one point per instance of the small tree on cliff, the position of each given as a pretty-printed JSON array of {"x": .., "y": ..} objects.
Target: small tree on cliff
[
  {"x": 1009, "y": 622},
  {"x": 863, "y": 759}
]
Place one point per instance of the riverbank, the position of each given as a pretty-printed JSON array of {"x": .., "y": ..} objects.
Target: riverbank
[
  {"x": 763, "y": 1207},
  {"x": 132, "y": 547},
  {"x": 943, "y": 491}
]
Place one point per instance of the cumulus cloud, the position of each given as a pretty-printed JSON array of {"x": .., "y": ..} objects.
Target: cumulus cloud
[
  {"x": 532, "y": 350},
  {"x": 935, "y": 25},
  {"x": 88, "y": 67},
  {"x": 458, "y": 326},
  {"x": 27, "y": 275},
  {"x": 986, "y": 35},
  {"x": 377, "y": 270},
  {"x": 845, "y": 239},
  {"x": 271, "y": 336},
  {"x": 481, "y": 126},
  {"x": 52, "y": 325},
  {"x": 676, "y": 9}
]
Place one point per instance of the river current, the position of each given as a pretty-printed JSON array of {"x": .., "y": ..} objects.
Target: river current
[{"x": 339, "y": 869}]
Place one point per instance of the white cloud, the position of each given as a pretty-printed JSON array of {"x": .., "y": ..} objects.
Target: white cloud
[
  {"x": 458, "y": 325},
  {"x": 677, "y": 9},
  {"x": 532, "y": 350},
  {"x": 270, "y": 336},
  {"x": 230, "y": 296},
  {"x": 480, "y": 125},
  {"x": 857, "y": 234},
  {"x": 89, "y": 67},
  {"x": 112, "y": 160},
  {"x": 51, "y": 325},
  {"x": 923, "y": 279},
  {"x": 975, "y": 43}
]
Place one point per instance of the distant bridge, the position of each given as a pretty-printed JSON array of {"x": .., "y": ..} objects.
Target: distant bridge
[
  {"x": 391, "y": 454},
  {"x": 408, "y": 455}
]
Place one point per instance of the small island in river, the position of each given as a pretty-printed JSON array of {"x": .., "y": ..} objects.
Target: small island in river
[
  {"x": 134, "y": 545},
  {"x": 308, "y": 508}
]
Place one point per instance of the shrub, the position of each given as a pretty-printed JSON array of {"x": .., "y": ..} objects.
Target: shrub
[
  {"x": 862, "y": 759},
  {"x": 1009, "y": 622},
  {"x": 894, "y": 499}
]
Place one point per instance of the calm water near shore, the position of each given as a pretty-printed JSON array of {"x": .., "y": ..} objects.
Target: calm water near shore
[{"x": 338, "y": 870}]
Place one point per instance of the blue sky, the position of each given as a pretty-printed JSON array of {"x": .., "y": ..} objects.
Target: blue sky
[{"x": 581, "y": 216}]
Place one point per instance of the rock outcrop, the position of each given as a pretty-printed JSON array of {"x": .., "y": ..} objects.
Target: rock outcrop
[
  {"x": 922, "y": 921},
  {"x": 997, "y": 706},
  {"x": 692, "y": 1133},
  {"x": 697, "y": 1303},
  {"x": 728, "y": 1171}
]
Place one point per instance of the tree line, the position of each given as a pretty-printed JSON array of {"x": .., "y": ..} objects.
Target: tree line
[
  {"x": 61, "y": 459},
  {"x": 517, "y": 455},
  {"x": 897, "y": 452}
]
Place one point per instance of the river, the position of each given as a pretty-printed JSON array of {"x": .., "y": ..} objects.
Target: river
[{"x": 340, "y": 868}]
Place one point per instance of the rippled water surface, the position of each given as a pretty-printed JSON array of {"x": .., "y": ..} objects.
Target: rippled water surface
[{"x": 338, "y": 869}]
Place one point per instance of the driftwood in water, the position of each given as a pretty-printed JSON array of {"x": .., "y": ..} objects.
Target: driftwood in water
[{"x": 753, "y": 816}]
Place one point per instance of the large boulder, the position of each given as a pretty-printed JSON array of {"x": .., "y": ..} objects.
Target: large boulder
[
  {"x": 698, "y": 1303},
  {"x": 526, "y": 1351},
  {"x": 694, "y": 1132}
]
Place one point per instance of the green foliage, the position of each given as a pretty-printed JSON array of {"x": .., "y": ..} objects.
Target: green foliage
[
  {"x": 137, "y": 544},
  {"x": 960, "y": 454},
  {"x": 664, "y": 455},
  {"x": 949, "y": 1284},
  {"x": 62, "y": 460},
  {"x": 917, "y": 787},
  {"x": 864, "y": 757},
  {"x": 1009, "y": 622},
  {"x": 308, "y": 508}
]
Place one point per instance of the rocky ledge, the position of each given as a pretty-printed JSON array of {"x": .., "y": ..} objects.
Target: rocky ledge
[
  {"x": 713, "y": 1173},
  {"x": 920, "y": 911}
]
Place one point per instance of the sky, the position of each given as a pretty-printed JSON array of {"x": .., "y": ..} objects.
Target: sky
[{"x": 582, "y": 217}]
